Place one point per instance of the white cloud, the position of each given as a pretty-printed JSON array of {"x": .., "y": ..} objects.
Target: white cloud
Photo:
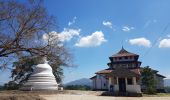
[
  {"x": 72, "y": 22},
  {"x": 127, "y": 28},
  {"x": 164, "y": 43},
  {"x": 140, "y": 42},
  {"x": 95, "y": 39},
  {"x": 66, "y": 35},
  {"x": 107, "y": 24}
]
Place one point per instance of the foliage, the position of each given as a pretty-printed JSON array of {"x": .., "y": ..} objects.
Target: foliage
[
  {"x": 22, "y": 27},
  {"x": 148, "y": 80},
  {"x": 167, "y": 89},
  {"x": 11, "y": 85},
  {"x": 1, "y": 87},
  {"x": 78, "y": 87},
  {"x": 25, "y": 34},
  {"x": 22, "y": 69}
]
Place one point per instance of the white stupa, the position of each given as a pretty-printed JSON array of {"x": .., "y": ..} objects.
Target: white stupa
[{"x": 42, "y": 78}]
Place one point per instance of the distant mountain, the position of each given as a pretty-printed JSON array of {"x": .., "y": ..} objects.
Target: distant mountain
[
  {"x": 82, "y": 81},
  {"x": 167, "y": 82}
]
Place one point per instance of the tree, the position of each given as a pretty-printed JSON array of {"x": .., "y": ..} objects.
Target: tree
[
  {"x": 11, "y": 85},
  {"x": 148, "y": 80},
  {"x": 22, "y": 69},
  {"x": 22, "y": 27}
]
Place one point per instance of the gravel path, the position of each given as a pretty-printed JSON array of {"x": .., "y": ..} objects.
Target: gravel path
[{"x": 93, "y": 97}]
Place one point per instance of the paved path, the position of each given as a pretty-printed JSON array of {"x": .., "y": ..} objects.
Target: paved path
[{"x": 93, "y": 97}]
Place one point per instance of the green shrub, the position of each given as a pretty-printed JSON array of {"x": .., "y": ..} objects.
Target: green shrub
[{"x": 167, "y": 89}]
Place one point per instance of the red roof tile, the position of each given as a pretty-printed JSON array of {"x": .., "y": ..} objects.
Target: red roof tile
[
  {"x": 124, "y": 72},
  {"x": 93, "y": 77},
  {"x": 137, "y": 71},
  {"x": 124, "y": 52},
  {"x": 105, "y": 71}
]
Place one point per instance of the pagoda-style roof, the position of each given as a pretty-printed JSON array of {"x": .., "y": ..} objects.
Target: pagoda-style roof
[
  {"x": 159, "y": 75},
  {"x": 105, "y": 71},
  {"x": 93, "y": 77},
  {"x": 124, "y": 73},
  {"x": 123, "y": 52},
  {"x": 119, "y": 70}
]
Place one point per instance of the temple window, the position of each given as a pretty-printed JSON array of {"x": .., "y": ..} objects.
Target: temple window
[
  {"x": 123, "y": 65},
  {"x": 115, "y": 59},
  {"x": 104, "y": 84},
  {"x": 129, "y": 65},
  {"x": 129, "y": 81},
  {"x": 126, "y": 57}
]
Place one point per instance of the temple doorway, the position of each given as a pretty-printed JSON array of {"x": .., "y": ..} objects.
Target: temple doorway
[{"x": 122, "y": 85}]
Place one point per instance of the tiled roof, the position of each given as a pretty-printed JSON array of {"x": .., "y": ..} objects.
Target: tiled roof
[
  {"x": 124, "y": 52},
  {"x": 121, "y": 71},
  {"x": 137, "y": 71},
  {"x": 124, "y": 73},
  {"x": 93, "y": 77},
  {"x": 159, "y": 75},
  {"x": 105, "y": 71}
]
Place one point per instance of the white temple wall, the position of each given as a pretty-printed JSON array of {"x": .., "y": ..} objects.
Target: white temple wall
[
  {"x": 116, "y": 88},
  {"x": 93, "y": 83},
  {"x": 159, "y": 82},
  {"x": 100, "y": 82},
  {"x": 133, "y": 88}
]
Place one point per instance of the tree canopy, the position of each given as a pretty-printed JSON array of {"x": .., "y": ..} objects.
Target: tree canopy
[
  {"x": 148, "y": 80},
  {"x": 22, "y": 26}
]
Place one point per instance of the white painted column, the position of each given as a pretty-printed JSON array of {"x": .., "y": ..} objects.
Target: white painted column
[
  {"x": 117, "y": 88},
  {"x": 126, "y": 80},
  {"x": 110, "y": 82},
  {"x": 134, "y": 80},
  {"x": 117, "y": 80}
]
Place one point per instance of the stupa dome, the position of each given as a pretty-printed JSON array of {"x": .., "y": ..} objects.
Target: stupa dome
[{"x": 41, "y": 79}]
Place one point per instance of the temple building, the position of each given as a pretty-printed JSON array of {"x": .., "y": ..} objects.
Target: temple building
[{"x": 123, "y": 74}]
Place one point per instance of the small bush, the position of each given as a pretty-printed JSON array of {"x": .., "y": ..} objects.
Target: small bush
[
  {"x": 151, "y": 90},
  {"x": 167, "y": 89},
  {"x": 11, "y": 85}
]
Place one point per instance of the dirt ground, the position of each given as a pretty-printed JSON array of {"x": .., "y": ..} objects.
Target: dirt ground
[
  {"x": 94, "y": 97},
  {"x": 70, "y": 95}
]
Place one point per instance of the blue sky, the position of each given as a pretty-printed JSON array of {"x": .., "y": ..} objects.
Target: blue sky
[
  {"x": 96, "y": 29},
  {"x": 103, "y": 26}
]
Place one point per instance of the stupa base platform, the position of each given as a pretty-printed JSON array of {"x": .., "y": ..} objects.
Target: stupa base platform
[{"x": 38, "y": 87}]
